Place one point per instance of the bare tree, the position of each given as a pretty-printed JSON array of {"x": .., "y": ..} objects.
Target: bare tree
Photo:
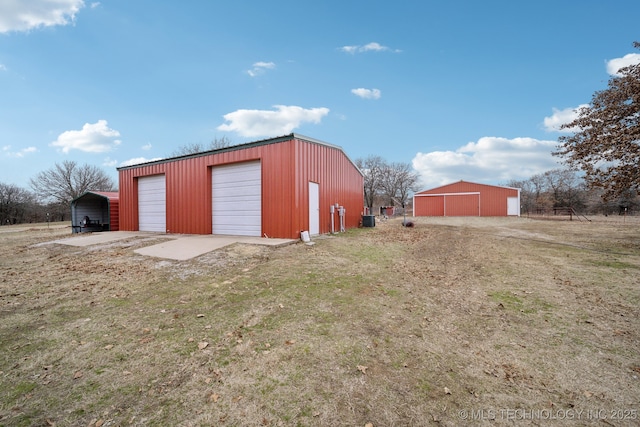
[
  {"x": 565, "y": 188},
  {"x": 607, "y": 145},
  {"x": 66, "y": 181},
  {"x": 527, "y": 193},
  {"x": 372, "y": 167},
  {"x": 557, "y": 187},
  {"x": 16, "y": 204},
  {"x": 392, "y": 182},
  {"x": 216, "y": 143},
  {"x": 398, "y": 181}
]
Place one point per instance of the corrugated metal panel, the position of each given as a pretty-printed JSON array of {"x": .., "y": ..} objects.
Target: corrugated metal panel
[
  {"x": 458, "y": 199},
  {"x": 113, "y": 198},
  {"x": 428, "y": 206},
  {"x": 339, "y": 182},
  {"x": 114, "y": 214},
  {"x": 287, "y": 167},
  {"x": 462, "y": 205}
]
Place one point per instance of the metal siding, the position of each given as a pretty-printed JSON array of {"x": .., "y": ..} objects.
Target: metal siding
[
  {"x": 112, "y": 198},
  {"x": 339, "y": 182},
  {"x": 287, "y": 168},
  {"x": 279, "y": 200},
  {"x": 462, "y": 205},
  {"x": 428, "y": 206},
  {"x": 188, "y": 196},
  {"x": 114, "y": 215},
  {"x": 493, "y": 199}
]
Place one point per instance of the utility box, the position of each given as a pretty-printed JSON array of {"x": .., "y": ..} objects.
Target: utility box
[{"x": 368, "y": 220}]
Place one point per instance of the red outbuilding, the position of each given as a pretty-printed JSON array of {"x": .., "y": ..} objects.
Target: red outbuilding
[
  {"x": 272, "y": 188},
  {"x": 467, "y": 199}
]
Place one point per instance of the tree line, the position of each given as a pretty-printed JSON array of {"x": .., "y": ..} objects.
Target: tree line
[
  {"x": 566, "y": 188},
  {"x": 51, "y": 193},
  {"x": 602, "y": 156},
  {"x": 387, "y": 183}
]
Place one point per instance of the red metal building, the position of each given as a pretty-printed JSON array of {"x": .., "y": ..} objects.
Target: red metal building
[
  {"x": 467, "y": 199},
  {"x": 273, "y": 188}
]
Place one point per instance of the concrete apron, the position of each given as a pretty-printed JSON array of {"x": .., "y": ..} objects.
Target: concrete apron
[{"x": 178, "y": 247}]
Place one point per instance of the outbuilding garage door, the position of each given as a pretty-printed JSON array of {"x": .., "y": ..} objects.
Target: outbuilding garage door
[
  {"x": 152, "y": 203},
  {"x": 236, "y": 192},
  {"x": 462, "y": 205},
  {"x": 429, "y": 205},
  {"x": 449, "y": 204}
]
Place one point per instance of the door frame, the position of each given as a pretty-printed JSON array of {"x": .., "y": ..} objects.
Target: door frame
[{"x": 314, "y": 208}]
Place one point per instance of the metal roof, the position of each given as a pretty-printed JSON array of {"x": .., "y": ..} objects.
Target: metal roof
[
  {"x": 274, "y": 140},
  {"x": 111, "y": 195},
  {"x": 466, "y": 182}
]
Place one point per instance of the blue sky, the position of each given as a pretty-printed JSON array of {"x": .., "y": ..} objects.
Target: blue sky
[{"x": 460, "y": 89}]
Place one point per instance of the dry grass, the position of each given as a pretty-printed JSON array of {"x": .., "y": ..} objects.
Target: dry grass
[{"x": 455, "y": 321}]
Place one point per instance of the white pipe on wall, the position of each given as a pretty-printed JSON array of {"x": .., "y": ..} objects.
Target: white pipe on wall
[{"x": 332, "y": 210}]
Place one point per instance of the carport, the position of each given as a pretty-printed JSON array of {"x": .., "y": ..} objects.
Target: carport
[{"x": 95, "y": 211}]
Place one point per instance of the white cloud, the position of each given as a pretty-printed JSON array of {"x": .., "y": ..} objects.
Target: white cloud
[
  {"x": 561, "y": 117},
  {"x": 147, "y": 147},
  {"x": 260, "y": 68},
  {"x": 615, "y": 64},
  {"x": 109, "y": 162},
  {"x": 369, "y": 47},
  {"x": 3, "y": 67},
  {"x": 18, "y": 154},
  {"x": 489, "y": 160},
  {"x": 282, "y": 121},
  {"x": 349, "y": 49},
  {"x": 93, "y": 138},
  {"x": 138, "y": 160},
  {"x": 367, "y": 93},
  {"x": 24, "y": 15}
]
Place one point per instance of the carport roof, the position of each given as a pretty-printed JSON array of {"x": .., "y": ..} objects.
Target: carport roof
[{"x": 110, "y": 195}]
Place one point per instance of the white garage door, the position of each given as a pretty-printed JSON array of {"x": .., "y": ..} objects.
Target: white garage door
[
  {"x": 236, "y": 192},
  {"x": 152, "y": 204}
]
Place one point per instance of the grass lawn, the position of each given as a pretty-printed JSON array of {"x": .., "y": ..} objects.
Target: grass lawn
[{"x": 456, "y": 321}]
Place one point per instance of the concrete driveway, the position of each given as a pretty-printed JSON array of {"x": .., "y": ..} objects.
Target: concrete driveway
[{"x": 178, "y": 247}]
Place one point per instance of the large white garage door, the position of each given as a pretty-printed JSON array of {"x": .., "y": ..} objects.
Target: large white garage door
[
  {"x": 236, "y": 192},
  {"x": 152, "y": 203}
]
